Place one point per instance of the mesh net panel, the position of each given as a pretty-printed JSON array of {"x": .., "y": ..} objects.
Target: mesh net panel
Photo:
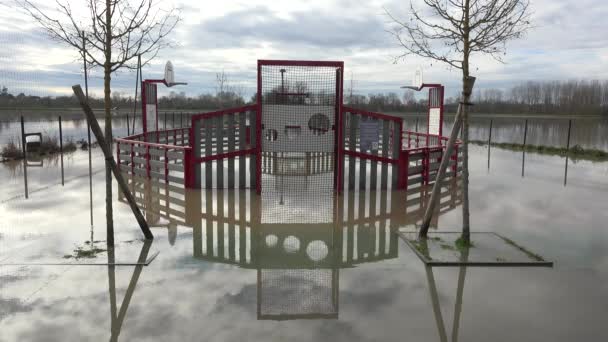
[
  {"x": 298, "y": 117},
  {"x": 290, "y": 293}
]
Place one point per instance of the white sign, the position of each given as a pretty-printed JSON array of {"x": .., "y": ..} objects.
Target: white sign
[
  {"x": 434, "y": 120},
  {"x": 150, "y": 117},
  {"x": 369, "y": 135}
]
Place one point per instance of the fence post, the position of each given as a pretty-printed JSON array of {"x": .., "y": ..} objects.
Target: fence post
[
  {"x": 567, "y": 152},
  {"x": 61, "y": 151},
  {"x": 489, "y": 143},
  {"x": 23, "y": 142},
  {"x": 523, "y": 156}
]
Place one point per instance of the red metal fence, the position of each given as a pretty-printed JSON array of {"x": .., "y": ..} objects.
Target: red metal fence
[
  {"x": 225, "y": 142},
  {"x": 163, "y": 161},
  {"x": 373, "y": 153}
]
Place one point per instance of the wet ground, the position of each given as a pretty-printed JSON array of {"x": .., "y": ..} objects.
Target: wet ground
[{"x": 239, "y": 272}]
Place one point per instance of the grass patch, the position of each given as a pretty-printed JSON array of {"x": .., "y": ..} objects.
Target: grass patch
[
  {"x": 523, "y": 249},
  {"x": 462, "y": 244},
  {"x": 575, "y": 152},
  {"x": 81, "y": 253}
]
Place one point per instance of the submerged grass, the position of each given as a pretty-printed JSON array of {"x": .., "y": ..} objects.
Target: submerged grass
[
  {"x": 11, "y": 151},
  {"x": 48, "y": 146},
  {"x": 575, "y": 152},
  {"x": 462, "y": 244},
  {"x": 82, "y": 253}
]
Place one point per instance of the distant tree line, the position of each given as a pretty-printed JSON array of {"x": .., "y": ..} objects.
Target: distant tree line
[{"x": 548, "y": 97}]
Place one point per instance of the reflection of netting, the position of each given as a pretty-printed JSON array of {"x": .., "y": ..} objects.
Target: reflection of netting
[
  {"x": 296, "y": 199},
  {"x": 286, "y": 294},
  {"x": 298, "y": 116}
]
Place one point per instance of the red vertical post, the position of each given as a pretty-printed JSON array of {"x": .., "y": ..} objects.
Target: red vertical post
[
  {"x": 403, "y": 169},
  {"x": 144, "y": 114},
  {"x": 258, "y": 132},
  {"x": 189, "y": 168},
  {"x": 338, "y": 154}
]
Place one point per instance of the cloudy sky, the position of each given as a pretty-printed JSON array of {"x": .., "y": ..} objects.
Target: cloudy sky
[{"x": 569, "y": 41}]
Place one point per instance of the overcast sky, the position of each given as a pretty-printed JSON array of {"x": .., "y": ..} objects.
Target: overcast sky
[{"x": 569, "y": 41}]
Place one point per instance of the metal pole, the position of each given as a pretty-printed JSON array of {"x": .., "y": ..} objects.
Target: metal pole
[
  {"x": 24, "y": 156},
  {"x": 137, "y": 79},
  {"x": 173, "y": 120},
  {"x": 181, "y": 119},
  {"x": 61, "y": 150},
  {"x": 128, "y": 126},
  {"x": 86, "y": 89},
  {"x": 523, "y": 156},
  {"x": 165, "y": 121},
  {"x": 416, "y": 125},
  {"x": 489, "y": 143}
]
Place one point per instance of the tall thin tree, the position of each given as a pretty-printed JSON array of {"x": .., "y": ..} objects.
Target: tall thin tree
[
  {"x": 450, "y": 31},
  {"x": 115, "y": 33}
]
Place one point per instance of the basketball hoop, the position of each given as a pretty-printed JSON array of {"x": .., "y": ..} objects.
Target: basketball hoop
[
  {"x": 170, "y": 76},
  {"x": 417, "y": 81}
]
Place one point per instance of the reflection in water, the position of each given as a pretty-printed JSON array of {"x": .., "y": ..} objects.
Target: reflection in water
[
  {"x": 297, "y": 262},
  {"x": 117, "y": 317},
  {"x": 462, "y": 272}
]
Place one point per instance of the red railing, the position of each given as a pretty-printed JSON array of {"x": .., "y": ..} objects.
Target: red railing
[
  {"x": 154, "y": 160},
  {"x": 421, "y": 155},
  {"x": 225, "y": 135}
]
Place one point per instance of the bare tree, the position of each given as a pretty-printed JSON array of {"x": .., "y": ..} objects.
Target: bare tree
[
  {"x": 115, "y": 33},
  {"x": 449, "y": 31},
  {"x": 221, "y": 87}
]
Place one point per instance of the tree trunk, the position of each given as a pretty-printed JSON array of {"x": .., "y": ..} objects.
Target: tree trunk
[
  {"x": 466, "y": 98},
  {"x": 107, "y": 77}
]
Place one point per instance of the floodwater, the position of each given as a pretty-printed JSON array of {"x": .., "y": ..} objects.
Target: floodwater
[
  {"x": 588, "y": 132},
  {"x": 249, "y": 270}
]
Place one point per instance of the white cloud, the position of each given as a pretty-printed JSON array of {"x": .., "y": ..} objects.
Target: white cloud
[{"x": 568, "y": 41}]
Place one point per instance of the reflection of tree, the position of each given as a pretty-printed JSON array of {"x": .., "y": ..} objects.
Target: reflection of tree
[
  {"x": 117, "y": 318},
  {"x": 464, "y": 256}
]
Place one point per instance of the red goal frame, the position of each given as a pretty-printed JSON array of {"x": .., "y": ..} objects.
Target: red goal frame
[{"x": 339, "y": 65}]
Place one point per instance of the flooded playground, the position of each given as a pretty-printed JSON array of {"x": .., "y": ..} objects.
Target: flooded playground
[
  {"x": 296, "y": 218},
  {"x": 216, "y": 275}
]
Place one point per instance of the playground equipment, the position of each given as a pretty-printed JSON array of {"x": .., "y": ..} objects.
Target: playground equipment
[{"x": 298, "y": 136}]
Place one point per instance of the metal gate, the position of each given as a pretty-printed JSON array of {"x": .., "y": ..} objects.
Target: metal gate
[{"x": 299, "y": 103}]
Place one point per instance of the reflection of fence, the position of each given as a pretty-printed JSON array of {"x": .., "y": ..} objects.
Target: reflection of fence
[{"x": 227, "y": 226}]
